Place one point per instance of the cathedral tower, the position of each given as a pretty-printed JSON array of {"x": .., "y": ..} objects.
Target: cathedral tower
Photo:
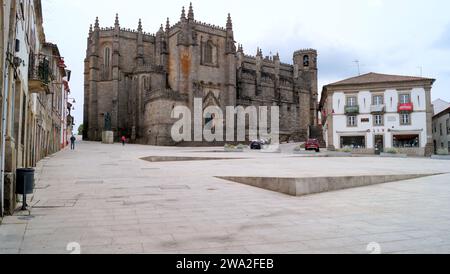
[{"x": 305, "y": 63}]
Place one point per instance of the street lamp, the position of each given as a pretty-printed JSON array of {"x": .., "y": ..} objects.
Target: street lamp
[{"x": 73, "y": 102}]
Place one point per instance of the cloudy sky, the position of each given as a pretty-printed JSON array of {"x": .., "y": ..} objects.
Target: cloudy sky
[{"x": 406, "y": 37}]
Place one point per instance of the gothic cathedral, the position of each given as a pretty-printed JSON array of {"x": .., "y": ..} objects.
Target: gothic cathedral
[{"x": 137, "y": 79}]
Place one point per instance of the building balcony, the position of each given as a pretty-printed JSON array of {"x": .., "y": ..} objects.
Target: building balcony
[
  {"x": 351, "y": 110},
  {"x": 378, "y": 109},
  {"x": 70, "y": 121},
  {"x": 39, "y": 75},
  {"x": 409, "y": 107}
]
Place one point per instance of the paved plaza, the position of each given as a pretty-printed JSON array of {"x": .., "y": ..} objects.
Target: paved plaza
[{"x": 109, "y": 200}]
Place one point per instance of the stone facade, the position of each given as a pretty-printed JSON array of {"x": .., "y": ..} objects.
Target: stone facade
[
  {"x": 138, "y": 78},
  {"x": 441, "y": 130},
  {"x": 34, "y": 91}
]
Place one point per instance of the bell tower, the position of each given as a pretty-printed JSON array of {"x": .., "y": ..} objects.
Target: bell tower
[{"x": 305, "y": 73}]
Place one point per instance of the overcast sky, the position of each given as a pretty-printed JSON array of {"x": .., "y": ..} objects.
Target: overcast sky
[{"x": 403, "y": 37}]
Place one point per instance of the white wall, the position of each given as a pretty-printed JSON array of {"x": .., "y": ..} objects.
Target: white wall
[
  {"x": 391, "y": 117},
  {"x": 26, "y": 45},
  {"x": 6, "y": 8}
]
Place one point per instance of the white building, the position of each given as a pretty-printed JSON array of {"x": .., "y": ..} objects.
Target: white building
[{"x": 374, "y": 112}]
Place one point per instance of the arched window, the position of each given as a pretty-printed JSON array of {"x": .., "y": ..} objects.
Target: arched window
[
  {"x": 306, "y": 61},
  {"x": 209, "y": 53},
  {"x": 106, "y": 63},
  {"x": 209, "y": 56},
  {"x": 107, "y": 57},
  {"x": 147, "y": 83}
]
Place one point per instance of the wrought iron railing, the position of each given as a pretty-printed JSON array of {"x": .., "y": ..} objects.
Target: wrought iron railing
[
  {"x": 39, "y": 71},
  {"x": 70, "y": 121},
  {"x": 377, "y": 108},
  {"x": 352, "y": 109}
]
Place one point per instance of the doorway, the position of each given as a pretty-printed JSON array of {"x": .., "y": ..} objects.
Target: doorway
[{"x": 379, "y": 144}]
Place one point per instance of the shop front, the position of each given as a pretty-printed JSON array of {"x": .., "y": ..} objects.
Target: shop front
[
  {"x": 409, "y": 143},
  {"x": 353, "y": 142},
  {"x": 406, "y": 141}
]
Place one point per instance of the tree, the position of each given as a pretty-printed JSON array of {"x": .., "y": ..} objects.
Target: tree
[{"x": 80, "y": 129}]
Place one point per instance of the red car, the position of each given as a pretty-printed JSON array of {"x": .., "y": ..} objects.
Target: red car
[{"x": 313, "y": 144}]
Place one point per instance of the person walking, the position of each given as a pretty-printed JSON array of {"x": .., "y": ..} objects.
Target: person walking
[
  {"x": 73, "y": 139},
  {"x": 124, "y": 140}
]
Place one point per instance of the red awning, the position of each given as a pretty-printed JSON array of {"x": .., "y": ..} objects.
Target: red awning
[
  {"x": 61, "y": 63},
  {"x": 406, "y": 107},
  {"x": 66, "y": 86}
]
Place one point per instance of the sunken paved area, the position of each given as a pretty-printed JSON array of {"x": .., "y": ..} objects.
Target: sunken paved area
[{"x": 110, "y": 201}]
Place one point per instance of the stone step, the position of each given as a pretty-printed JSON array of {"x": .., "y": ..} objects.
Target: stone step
[{"x": 314, "y": 185}]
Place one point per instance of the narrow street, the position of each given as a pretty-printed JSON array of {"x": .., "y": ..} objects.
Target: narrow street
[{"x": 108, "y": 200}]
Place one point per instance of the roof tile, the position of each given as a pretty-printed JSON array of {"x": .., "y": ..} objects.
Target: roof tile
[{"x": 372, "y": 78}]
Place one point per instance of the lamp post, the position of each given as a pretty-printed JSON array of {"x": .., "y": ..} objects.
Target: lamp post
[{"x": 72, "y": 103}]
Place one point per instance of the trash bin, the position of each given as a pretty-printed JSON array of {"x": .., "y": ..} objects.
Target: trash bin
[{"x": 24, "y": 183}]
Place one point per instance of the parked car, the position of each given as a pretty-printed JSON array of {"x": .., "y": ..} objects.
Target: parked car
[
  {"x": 312, "y": 144},
  {"x": 257, "y": 144}
]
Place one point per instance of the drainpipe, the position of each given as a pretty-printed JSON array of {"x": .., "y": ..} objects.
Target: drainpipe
[
  {"x": 2, "y": 152},
  {"x": 11, "y": 37}
]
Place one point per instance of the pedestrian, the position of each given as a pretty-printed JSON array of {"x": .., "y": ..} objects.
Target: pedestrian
[
  {"x": 73, "y": 139},
  {"x": 124, "y": 140}
]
